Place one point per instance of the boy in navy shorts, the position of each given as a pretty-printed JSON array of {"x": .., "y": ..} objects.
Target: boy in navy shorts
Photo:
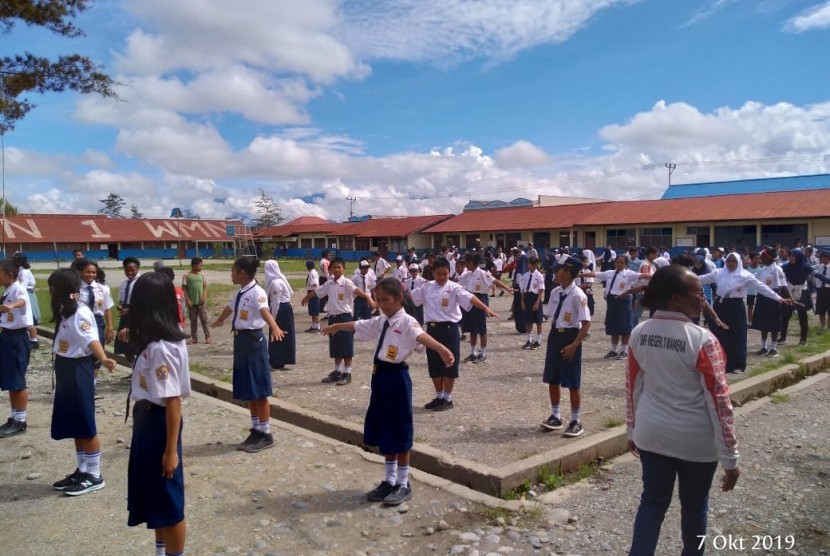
[{"x": 570, "y": 322}]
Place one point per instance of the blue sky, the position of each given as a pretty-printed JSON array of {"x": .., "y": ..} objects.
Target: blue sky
[{"x": 414, "y": 107}]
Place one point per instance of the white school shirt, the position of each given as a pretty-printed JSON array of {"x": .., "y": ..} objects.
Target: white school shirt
[
  {"x": 400, "y": 340},
  {"x": 476, "y": 281},
  {"x": 380, "y": 266},
  {"x": 253, "y": 300},
  {"x": 822, "y": 269},
  {"x": 574, "y": 307},
  {"x": 26, "y": 279},
  {"x": 122, "y": 290},
  {"x": 340, "y": 293},
  {"x": 401, "y": 273},
  {"x": 772, "y": 276},
  {"x": 624, "y": 282},
  {"x": 312, "y": 280},
  {"x": 75, "y": 334},
  {"x": 20, "y": 317},
  {"x": 411, "y": 284},
  {"x": 278, "y": 292},
  {"x": 366, "y": 283},
  {"x": 750, "y": 290},
  {"x": 161, "y": 371},
  {"x": 442, "y": 303},
  {"x": 102, "y": 297},
  {"x": 533, "y": 282}
]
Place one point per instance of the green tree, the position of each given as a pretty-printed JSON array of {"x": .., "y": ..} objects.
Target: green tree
[
  {"x": 113, "y": 205},
  {"x": 135, "y": 212},
  {"x": 6, "y": 208},
  {"x": 266, "y": 211},
  {"x": 25, "y": 73}
]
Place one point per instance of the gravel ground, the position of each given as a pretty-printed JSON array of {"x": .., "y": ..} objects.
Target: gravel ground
[{"x": 305, "y": 496}]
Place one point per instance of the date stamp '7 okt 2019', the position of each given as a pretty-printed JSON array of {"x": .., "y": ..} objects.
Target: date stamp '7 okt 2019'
[{"x": 747, "y": 543}]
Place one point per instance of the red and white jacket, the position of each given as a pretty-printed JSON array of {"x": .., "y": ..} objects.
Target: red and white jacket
[{"x": 677, "y": 398}]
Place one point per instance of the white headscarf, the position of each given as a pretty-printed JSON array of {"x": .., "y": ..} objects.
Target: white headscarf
[
  {"x": 728, "y": 282},
  {"x": 272, "y": 273},
  {"x": 592, "y": 260}
]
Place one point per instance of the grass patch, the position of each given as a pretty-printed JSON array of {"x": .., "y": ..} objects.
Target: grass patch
[
  {"x": 518, "y": 492},
  {"x": 552, "y": 478},
  {"x": 779, "y": 397},
  {"x": 492, "y": 514},
  {"x": 611, "y": 422}
]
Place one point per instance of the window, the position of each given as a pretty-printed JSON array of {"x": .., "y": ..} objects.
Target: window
[
  {"x": 785, "y": 234},
  {"x": 656, "y": 237},
  {"x": 736, "y": 237},
  {"x": 305, "y": 243},
  {"x": 621, "y": 238}
]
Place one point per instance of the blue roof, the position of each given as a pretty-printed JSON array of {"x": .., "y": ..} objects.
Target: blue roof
[{"x": 762, "y": 185}]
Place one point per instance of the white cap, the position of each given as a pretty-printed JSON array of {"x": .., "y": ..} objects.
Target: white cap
[
  {"x": 398, "y": 258},
  {"x": 414, "y": 266},
  {"x": 364, "y": 263}
]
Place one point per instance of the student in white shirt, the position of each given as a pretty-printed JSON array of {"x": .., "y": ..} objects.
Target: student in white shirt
[
  {"x": 125, "y": 292},
  {"x": 380, "y": 266},
  {"x": 532, "y": 288},
  {"x": 823, "y": 289},
  {"x": 27, "y": 280},
  {"x": 413, "y": 282},
  {"x": 401, "y": 272},
  {"x": 279, "y": 292},
  {"x": 15, "y": 347},
  {"x": 312, "y": 283},
  {"x": 365, "y": 279}
]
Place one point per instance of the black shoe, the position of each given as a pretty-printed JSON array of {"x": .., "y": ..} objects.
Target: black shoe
[
  {"x": 433, "y": 404},
  {"x": 501, "y": 293},
  {"x": 738, "y": 371},
  {"x": 772, "y": 353},
  {"x": 35, "y": 344},
  {"x": 333, "y": 376},
  {"x": 535, "y": 345},
  {"x": 574, "y": 429},
  {"x": 247, "y": 441},
  {"x": 611, "y": 355},
  {"x": 802, "y": 342},
  {"x": 480, "y": 358},
  {"x": 443, "y": 405},
  {"x": 470, "y": 358},
  {"x": 263, "y": 441},
  {"x": 86, "y": 483},
  {"x": 280, "y": 368},
  {"x": 762, "y": 351},
  {"x": 463, "y": 337},
  {"x": 346, "y": 378},
  {"x": 71, "y": 479},
  {"x": 12, "y": 428},
  {"x": 782, "y": 340},
  {"x": 312, "y": 330},
  {"x": 622, "y": 355},
  {"x": 398, "y": 496},
  {"x": 528, "y": 345},
  {"x": 552, "y": 423},
  {"x": 380, "y": 492}
]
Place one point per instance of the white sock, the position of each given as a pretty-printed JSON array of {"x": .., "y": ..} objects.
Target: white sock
[
  {"x": 482, "y": 351},
  {"x": 538, "y": 338},
  {"x": 615, "y": 348},
  {"x": 19, "y": 415},
  {"x": 347, "y": 370},
  {"x": 575, "y": 415},
  {"x": 254, "y": 421},
  {"x": 80, "y": 458},
  {"x": 93, "y": 464},
  {"x": 554, "y": 410},
  {"x": 763, "y": 344},
  {"x": 391, "y": 471},
  {"x": 448, "y": 396},
  {"x": 530, "y": 337},
  {"x": 624, "y": 349},
  {"x": 439, "y": 394},
  {"x": 160, "y": 548},
  {"x": 338, "y": 367},
  {"x": 773, "y": 345},
  {"x": 265, "y": 426},
  {"x": 403, "y": 475}
]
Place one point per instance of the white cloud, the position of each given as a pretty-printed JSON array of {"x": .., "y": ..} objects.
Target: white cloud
[
  {"x": 709, "y": 8},
  {"x": 522, "y": 154},
  {"x": 444, "y": 31},
  {"x": 813, "y": 18}
]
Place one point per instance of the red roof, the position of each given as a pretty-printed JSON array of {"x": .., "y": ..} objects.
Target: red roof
[
  {"x": 373, "y": 227},
  {"x": 752, "y": 206},
  {"x": 80, "y": 228}
]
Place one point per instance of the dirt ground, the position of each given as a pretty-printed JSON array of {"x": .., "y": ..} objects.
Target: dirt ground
[{"x": 498, "y": 404}]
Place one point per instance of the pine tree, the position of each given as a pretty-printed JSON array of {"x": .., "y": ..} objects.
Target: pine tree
[
  {"x": 113, "y": 205},
  {"x": 266, "y": 211},
  {"x": 135, "y": 212}
]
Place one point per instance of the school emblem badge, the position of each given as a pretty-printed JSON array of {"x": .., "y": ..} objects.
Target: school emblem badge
[
  {"x": 162, "y": 373},
  {"x": 261, "y": 299},
  {"x": 85, "y": 326}
]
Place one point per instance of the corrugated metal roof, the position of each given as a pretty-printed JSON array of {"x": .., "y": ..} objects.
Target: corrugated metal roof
[
  {"x": 761, "y": 185},
  {"x": 759, "y": 206},
  {"x": 301, "y": 225},
  {"x": 80, "y": 228},
  {"x": 388, "y": 227}
]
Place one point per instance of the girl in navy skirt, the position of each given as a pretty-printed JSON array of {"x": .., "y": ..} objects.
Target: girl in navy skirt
[
  {"x": 766, "y": 315},
  {"x": 73, "y": 414},
  {"x": 279, "y": 292},
  {"x": 251, "y": 371},
  {"x": 388, "y": 422},
  {"x": 15, "y": 347},
  {"x": 161, "y": 378},
  {"x": 798, "y": 271}
]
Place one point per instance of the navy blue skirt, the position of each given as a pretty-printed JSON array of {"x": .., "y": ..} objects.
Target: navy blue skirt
[
  {"x": 531, "y": 316},
  {"x": 732, "y": 311},
  {"x": 102, "y": 336},
  {"x": 151, "y": 498},
  {"x": 518, "y": 312},
  {"x": 73, "y": 413},
  {"x": 123, "y": 348},
  {"x": 341, "y": 345},
  {"x": 618, "y": 316},
  {"x": 446, "y": 334},
  {"x": 314, "y": 306},
  {"x": 767, "y": 315},
  {"x": 284, "y": 352},
  {"x": 388, "y": 423},
  {"x": 251, "y": 371},
  {"x": 15, "y": 349},
  {"x": 567, "y": 374},
  {"x": 362, "y": 311}
]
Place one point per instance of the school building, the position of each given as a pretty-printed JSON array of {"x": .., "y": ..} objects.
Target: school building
[
  {"x": 309, "y": 236},
  {"x": 45, "y": 237},
  {"x": 737, "y": 220}
]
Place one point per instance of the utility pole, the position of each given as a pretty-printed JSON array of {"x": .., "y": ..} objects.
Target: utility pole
[
  {"x": 352, "y": 201},
  {"x": 671, "y": 166}
]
